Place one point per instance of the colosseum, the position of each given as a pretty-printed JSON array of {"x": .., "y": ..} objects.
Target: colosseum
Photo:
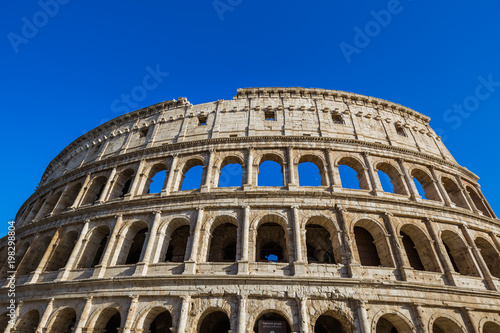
[{"x": 100, "y": 249}]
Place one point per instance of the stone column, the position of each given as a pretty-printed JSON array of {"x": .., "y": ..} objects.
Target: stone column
[
  {"x": 292, "y": 177},
  {"x": 470, "y": 323},
  {"x": 208, "y": 172},
  {"x": 410, "y": 184},
  {"x": 467, "y": 199},
  {"x": 483, "y": 268},
  {"x": 77, "y": 249},
  {"x": 303, "y": 315},
  {"x": 350, "y": 261},
  {"x": 364, "y": 325},
  {"x": 42, "y": 325},
  {"x": 441, "y": 251},
  {"x": 138, "y": 180},
  {"x": 374, "y": 180},
  {"x": 109, "y": 184},
  {"x": 82, "y": 191},
  {"x": 398, "y": 252},
  {"x": 105, "y": 261},
  {"x": 190, "y": 264},
  {"x": 421, "y": 323},
  {"x": 299, "y": 266},
  {"x": 63, "y": 194},
  {"x": 131, "y": 314},
  {"x": 249, "y": 180},
  {"x": 242, "y": 314},
  {"x": 48, "y": 253},
  {"x": 441, "y": 189},
  {"x": 245, "y": 231},
  {"x": 172, "y": 172},
  {"x": 485, "y": 202},
  {"x": 334, "y": 176},
  {"x": 40, "y": 212},
  {"x": 183, "y": 318},
  {"x": 142, "y": 267},
  {"x": 84, "y": 316},
  {"x": 494, "y": 238}
]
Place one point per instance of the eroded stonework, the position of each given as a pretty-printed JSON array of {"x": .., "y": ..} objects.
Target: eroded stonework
[{"x": 97, "y": 251}]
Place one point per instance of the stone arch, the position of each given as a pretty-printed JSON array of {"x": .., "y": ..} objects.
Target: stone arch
[
  {"x": 273, "y": 237},
  {"x": 275, "y": 158},
  {"x": 21, "y": 252},
  {"x": 62, "y": 320},
  {"x": 388, "y": 321},
  {"x": 358, "y": 166},
  {"x": 105, "y": 319},
  {"x": 324, "y": 241},
  {"x": 395, "y": 175},
  {"x": 223, "y": 229},
  {"x": 422, "y": 245},
  {"x": 134, "y": 238},
  {"x": 454, "y": 192},
  {"x": 50, "y": 203},
  {"x": 339, "y": 311},
  {"x": 441, "y": 323},
  {"x": 187, "y": 166},
  {"x": 490, "y": 255},
  {"x": 214, "y": 320},
  {"x": 155, "y": 169},
  {"x": 365, "y": 250},
  {"x": 320, "y": 164},
  {"x": 155, "y": 319},
  {"x": 274, "y": 314},
  {"x": 489, "y": 324},
  {"x": 458, "y": 252},
  {"x": 122, "y": 184},
  {"x": 69, "y": 197},
  {"x": 225, "y": 171},
  {"x": 328, "y": 322},
  {"x": 60, "y": 255},
  {"x": 32, "y": 262},
  {"x": 94, "y": 190},
  {"x": 28, "y": 323},
  {"x": 174, "y": 243},
  {"x": 478, "y": 202},
  {"x": 427, "y": 182},
  {"x": 95, "y": 245}
]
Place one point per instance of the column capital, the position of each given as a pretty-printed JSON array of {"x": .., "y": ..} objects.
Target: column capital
[
  {"x": 388, "y": 214},
  {"x": 156, "y": 212}
]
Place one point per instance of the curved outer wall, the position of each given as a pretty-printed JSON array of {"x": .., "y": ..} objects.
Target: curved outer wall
[{"x": 79, "y": 262}]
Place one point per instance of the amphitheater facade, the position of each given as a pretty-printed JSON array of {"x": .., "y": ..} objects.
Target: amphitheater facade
[{"x": 98, "y": 251}]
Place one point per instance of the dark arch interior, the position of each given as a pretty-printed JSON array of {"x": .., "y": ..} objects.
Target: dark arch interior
[
  {"x": 162, "y": 323},
  {"x": 271, "y": 242},
  {"x": 270, "y": 317},
  {"x": 177, "y": 247},
  {"x": 367, "y": 250},
  {"x": 412, "y": 253},
  {"x": 216, "y": 322},
  {"x": 328, "y": 324},
  {"x": 319, "y": 245},
  {"x": 223, "y": 243},
  {"x": 134, "y": 253},
  {"x": 113, "y": 324},
  {"x": 385, "y": 326}
]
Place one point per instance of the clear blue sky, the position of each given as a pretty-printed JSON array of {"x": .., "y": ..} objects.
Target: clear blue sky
[{"x": 63, "y": 74}]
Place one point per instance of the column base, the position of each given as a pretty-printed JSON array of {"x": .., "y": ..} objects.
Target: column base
[
  {"x": 141, "y": 269},
  {"x": 293, "y": 187},
  {"x": 243, "y": 267},
  {"x": 354, "y": 269},
  {"x": 204, "y": 189},
  {"x": 247, "y": 187},
  {"x": 299, "y": 268},
  {"x": 189, "y": 267}
]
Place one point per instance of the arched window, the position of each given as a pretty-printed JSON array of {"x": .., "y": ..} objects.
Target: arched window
[
  {"x": 391, "y": 323},
  {"x": 445, "y": 325},
  {"x": 94, "y": 248},
  {"x": 216, "y": 321},
  {"x": 427, "y": 185},
  {"x": 192, "y": 175},
  {"x": 385, "y": 180},
  {"x": 271, "y": 243},
  {"x": 63, "y": 322},
  {"x": 412, "y": 253},
  {"x": 328, "y": 324},
  {"x": 176, "y": 247},
  {"x": 135, "y": 251},
  {"x": 162, "y": 323},
  {"x": 352, "y": 174},
  {"x": 62, "y": 252},
  {"x": 261, "y": 324},
  {"x": 32, "y": 261},
  {"x": 109, "y": 321},
  {"x": 391, "y": 179},
  {"x": 69, "y": 198},
  {"x": 122, "y": 184},
  {"x": 94, "y": 191},
  {"x": 367, "y": 250},
  {"x": 29, "y": 322},
  {"x": 454, "y": 192},
  {"x": 271, "y": 171},
  {"x": 223, "y": 243},
  {"x": 157, "y": 182},
  {"x": 50, "y": 205},
  {"x": 309, "y": 174},
  {"x": 231, "y": 173},
  {"x": 490, "y": 256},
  {"x": 491, "y": 327},
  {"x": 319, "y": 245},
  {"x": 419, "y": 248},
  {"x": 477, "y": 201},
  {"x": 459, "y": 254}
]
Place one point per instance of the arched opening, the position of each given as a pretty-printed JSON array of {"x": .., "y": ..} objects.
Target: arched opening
[
  {"x": 420, "y": 246},
  {"x": 445, "y": 325},
  {"x": 223, "y": 243},
  {"x": 21, "y": 252},
  {"x": 270, "y": 320},
  {"x": 51, "y": 204},
  {"x": 122, "y": 185},
  {"x": 319, "y": 245},
  {"x": 162, "y": 323},
  {"x": 109, "y": 321},
  {"x": 454, "y": 192},
  {"x": 391, "y": 323},
  {"x": 29, "y": 322},
  {"x": 63, "y": 322},
  {"x": 231, "y": 173},
  {"x": 135, "y": 250},
  {"x": 367, "y": 251},
  {"x": 490, "y": 256},
  {"x": 477, "y": 201},
  {"x": 94, "y": 248},
  {"x": 328, "y": 324},
  {"x": 192, "y": 175},
  {"x": 62, "y": 252},
  {"x": 352, "y": 174},
  {"x": 427, "y": 184},
  {"x": 215, "y": 322},
  {"x": 69, "y": 198},
  {"x": 157, "y": 182},
  {"x": 271, "y": 171},
  {"x": 412, "y": 253},
  {"x": 311, "y": 171},
  {"x": 32, "y": 261},
  {"x": 94, "y": 191},
  {"x": 491, "y": 327},
  {"x": 391, "y": 179},
  {"x": 271, "y": 243},
  {"x": 176, "y": 247},
  {"x": 459, "y": 254}
]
